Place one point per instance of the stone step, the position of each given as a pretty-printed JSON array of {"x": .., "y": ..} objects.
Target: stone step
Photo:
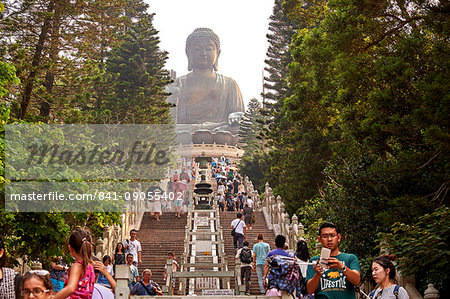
[
  {"x": 259, "y": 227},
  {"x": 168, "y": 234}
]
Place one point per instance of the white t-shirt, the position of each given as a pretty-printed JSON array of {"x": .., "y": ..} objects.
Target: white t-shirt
[
  {"x": 250, "y": 202},
  {"x": 133, "y": 248},
  {"x": 388, "y": 293},
  {"x": 110, "y": 270},
  {"x": 238, "y": 225},
  {"x": 221, "y": 189}
]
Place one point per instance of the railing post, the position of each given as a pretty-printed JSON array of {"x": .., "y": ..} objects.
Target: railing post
[
  {"x": 122, "y": 274},
  {"x": 431, "y": 292},
  {"x": 286, "y": 224},
  {"x": 169, "y": 276},
  {"x": 237, "y": 276},
  {"x": 226, "y": 279},
  {"x": 99, "y": 248}
]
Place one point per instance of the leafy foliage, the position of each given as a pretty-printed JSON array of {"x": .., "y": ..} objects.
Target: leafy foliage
[
  {"x": 74, "y": 62},
  {"x": 422, "y": 246},
  {"x": 362, "y": 139}
]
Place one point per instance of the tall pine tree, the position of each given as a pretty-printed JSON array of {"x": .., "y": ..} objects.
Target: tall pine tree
[
  {"x": 138, "y": 74},
  {"x": 250, "y": 127},
  {"x": 281, "y": 30}
]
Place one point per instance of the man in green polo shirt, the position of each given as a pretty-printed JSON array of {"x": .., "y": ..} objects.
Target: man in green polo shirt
[{"x": 342, "y": 273}]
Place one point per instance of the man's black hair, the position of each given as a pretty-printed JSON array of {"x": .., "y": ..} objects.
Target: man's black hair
[
  {"x": 238, "y": 215},
  {"x": 130, "y": 254},
  {"x": 280, "y": 240},
  {"x": 329, "y": 224}
]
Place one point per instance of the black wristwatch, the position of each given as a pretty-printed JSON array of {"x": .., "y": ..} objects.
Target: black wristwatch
[{"x": 344, "y": 269}]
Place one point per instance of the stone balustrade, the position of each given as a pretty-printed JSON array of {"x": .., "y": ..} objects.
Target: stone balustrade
[
  {"x": 112, "y": 235},
  {"x": 275, "y": 215}
]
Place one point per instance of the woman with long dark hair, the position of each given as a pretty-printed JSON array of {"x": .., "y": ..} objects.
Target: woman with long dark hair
[
  {"x": 119, "y": 256},
  {"x": 80, "y": 279},
  {"x": 302, "y": 253},
  {"x": 383, "y": 272}
]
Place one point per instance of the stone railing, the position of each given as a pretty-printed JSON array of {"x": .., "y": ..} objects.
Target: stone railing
[
  {"x": 131, "y": 219},
  {"x": 275, "y": 215},
  {"x": 113, "y": 235}
]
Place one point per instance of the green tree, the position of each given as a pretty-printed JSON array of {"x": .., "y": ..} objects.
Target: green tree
[
  {"x": 422, "y": 247},
  {"x": 252, "y": 163},
  {"x": 138, "y": 74},
  {"x": 57, "y": 48},
  {"x": 297, "y": 152},
  {"x": 251, "y": 126},
  {"x": 370, "y": 93}
]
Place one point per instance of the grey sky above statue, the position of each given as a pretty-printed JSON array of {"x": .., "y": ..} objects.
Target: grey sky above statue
[{"x": 204, "y": 98}]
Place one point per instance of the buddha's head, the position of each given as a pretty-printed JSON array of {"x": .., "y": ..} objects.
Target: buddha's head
[{"x": 203, "y": 49}]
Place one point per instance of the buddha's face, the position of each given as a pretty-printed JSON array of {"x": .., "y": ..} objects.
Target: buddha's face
[{"x": 202, "y": 53}]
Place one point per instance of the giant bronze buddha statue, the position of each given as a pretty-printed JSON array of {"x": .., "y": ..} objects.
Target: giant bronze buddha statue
[{"x": 205, "y": 99}]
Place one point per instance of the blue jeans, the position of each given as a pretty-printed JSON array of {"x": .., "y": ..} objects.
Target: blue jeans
[
  {"x": 238, "y": 238},
  {"x": 260, "y": 273}
]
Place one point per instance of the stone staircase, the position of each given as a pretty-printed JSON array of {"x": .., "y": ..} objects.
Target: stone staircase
[
  {"x": 157, "y": 239},
  {"x": 168, "y": 234},
  {"x": 251, "y": 235}
]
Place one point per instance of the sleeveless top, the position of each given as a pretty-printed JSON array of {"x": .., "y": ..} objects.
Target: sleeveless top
[
  {"x": 85, "y": 286},
  {"x": 119, "y": 258}
]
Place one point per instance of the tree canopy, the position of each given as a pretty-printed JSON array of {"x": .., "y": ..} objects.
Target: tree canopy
[
  {"x": 75, "y": 62},
  {"x": 363, "y": 137}
]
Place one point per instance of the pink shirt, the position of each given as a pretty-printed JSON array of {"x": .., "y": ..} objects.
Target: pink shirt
[{"x": 85, "y": 286}]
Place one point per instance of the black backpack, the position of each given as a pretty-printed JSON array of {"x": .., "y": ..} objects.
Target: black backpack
[{"x": 246, "y": 256}]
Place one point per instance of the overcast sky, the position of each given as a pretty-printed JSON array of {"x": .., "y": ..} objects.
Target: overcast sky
[{"x": 240, "y": 24}]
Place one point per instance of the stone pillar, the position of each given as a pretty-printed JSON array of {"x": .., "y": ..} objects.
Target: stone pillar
[
  {"x": 36, "y": 265},
  {"x": 294, "y": 226},
  {"x": 286, "y": 225},
  {"x": 169, "y": 276},
  {"x": 255, "y": 199},
  {"x": 294, "y": 220},
  {"x": 431, "y": 292},
  {"x": 107, "y": 237},
  {"x": 122, "y": 290},
  {"x": 280, "y": 208},
  {"x": 99, "y": 248},
  {"x": 271, "y": 208},
  {"x": 275, "y": 212},
  {"x": 301, "y": 230},
  {"x": 269, "y": 196}
]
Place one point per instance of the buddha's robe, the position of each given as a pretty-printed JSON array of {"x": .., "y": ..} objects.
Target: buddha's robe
[{"x": 224, "y": 98}]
